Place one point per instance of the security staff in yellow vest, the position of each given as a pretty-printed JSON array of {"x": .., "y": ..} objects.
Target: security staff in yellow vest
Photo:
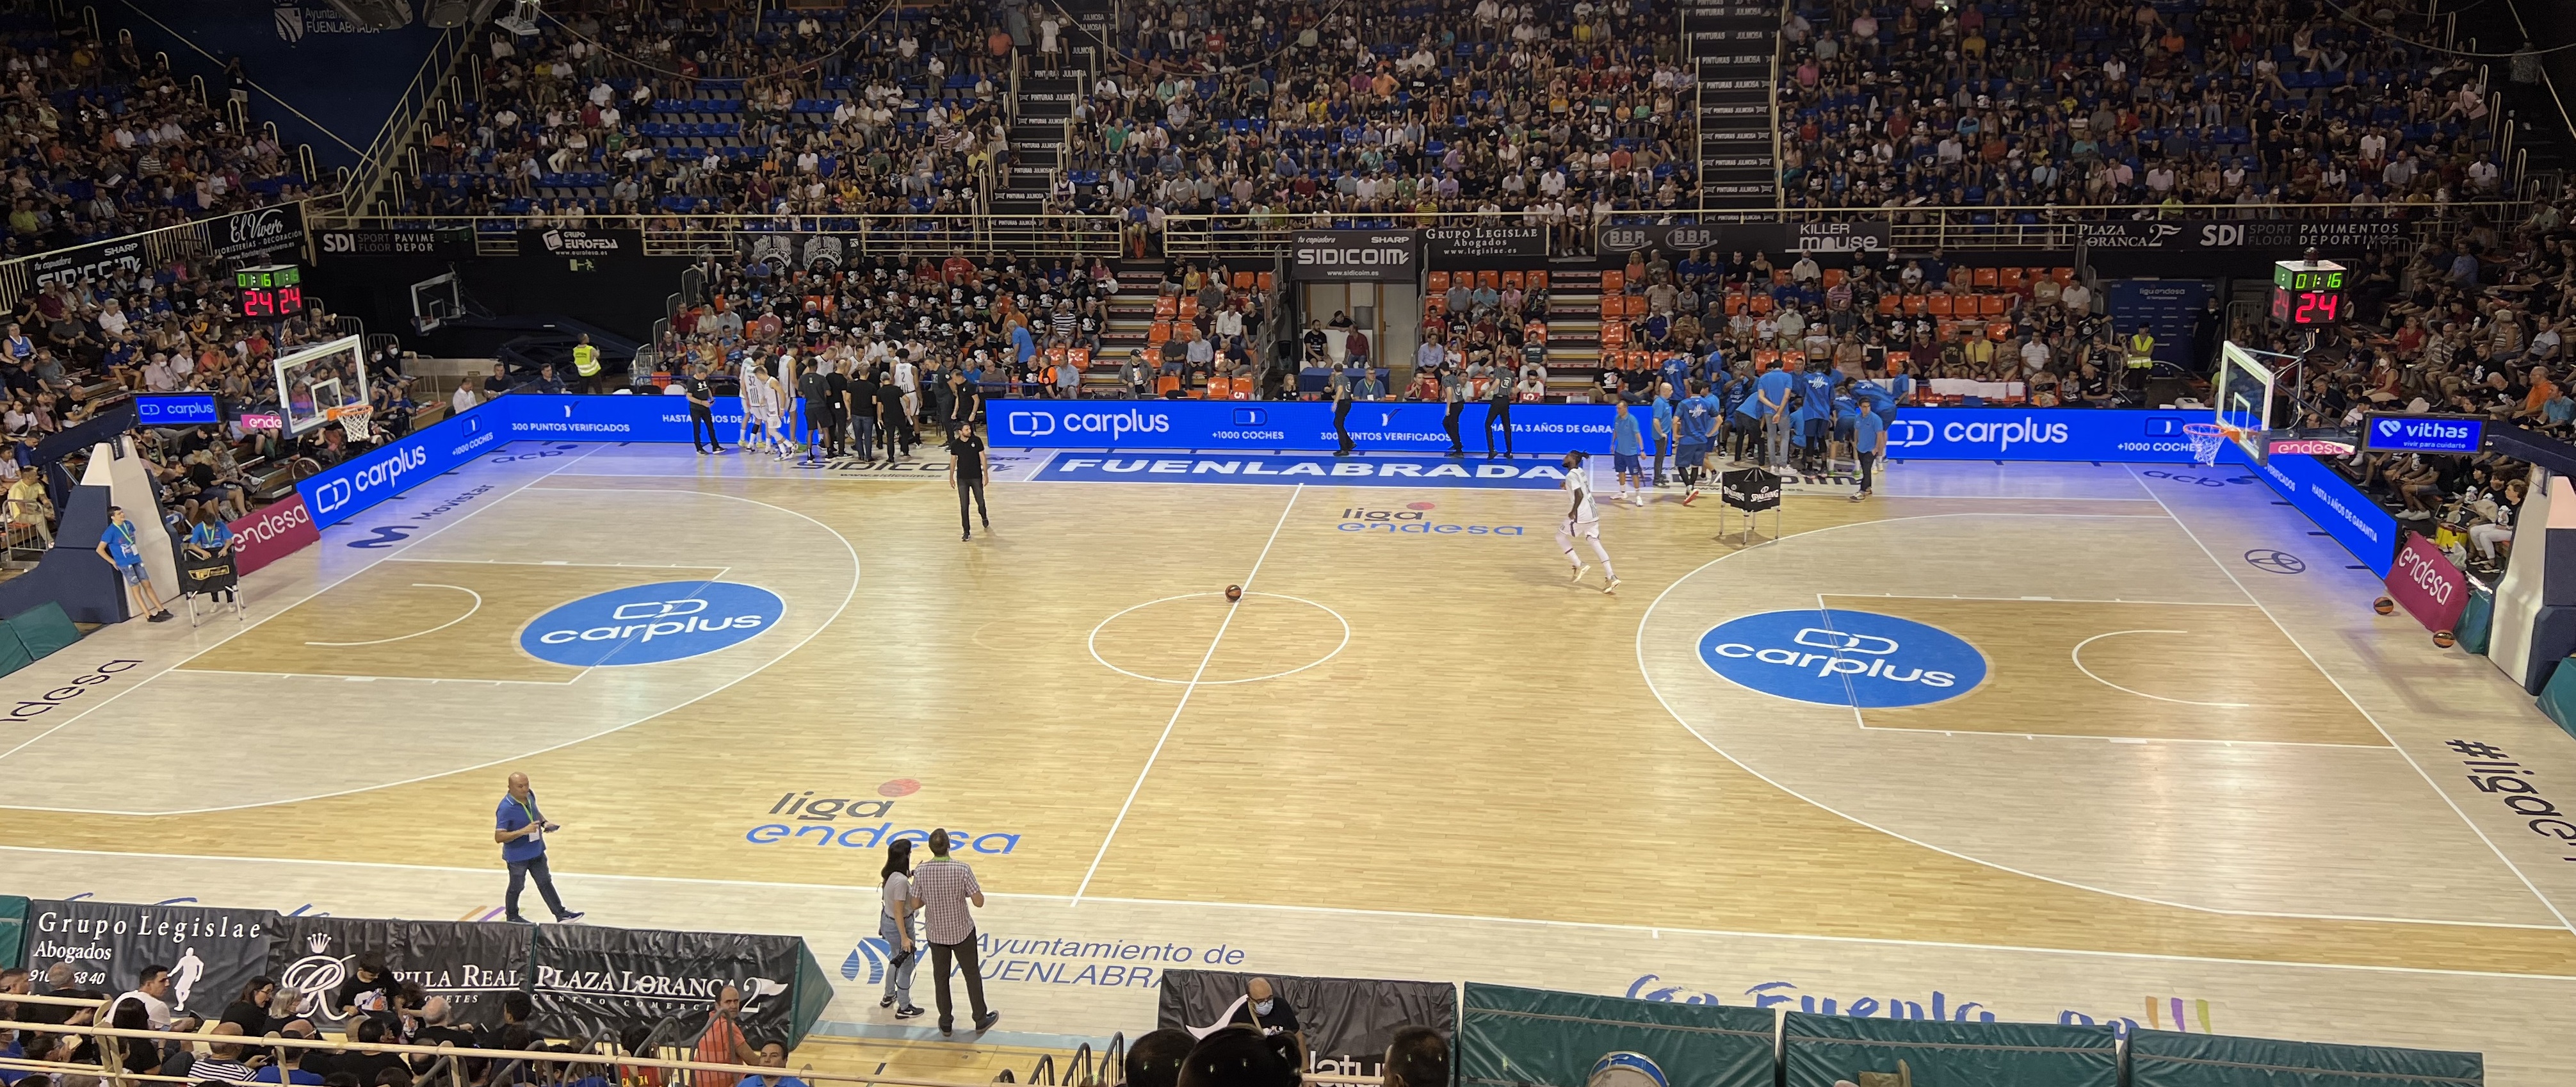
[
  {"x": 2141, "y": 357},
  {"x": 585, "y": 361}
]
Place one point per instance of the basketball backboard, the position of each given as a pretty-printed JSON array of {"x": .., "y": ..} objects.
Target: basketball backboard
[{"x": 2243, "y": 395}]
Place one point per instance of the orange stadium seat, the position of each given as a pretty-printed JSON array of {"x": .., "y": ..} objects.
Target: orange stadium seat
[
  {"x": 1833, "y": 278},
  {"x": 2063, "y": 276},
  {"x": 1167, "y": 384},
  {"x": 1538, "y": 280},
  {"x": 1888, "y": 304},
  {"x": 1614, "y": 334},
  {"x": 1081, "y": 358},
  {"x": 2010, "y": 279},
  {"x": 1535, "y": 330},
  {"x": 1164, "y": 306},
  {"x": 1735, "y": 302},
  {"x": 1161, "y": 332},
  {"x": 1513, "y": 281},
  {"x": 1438, "y": 283},
  {"x": 1243, "y": 281},
  {"x": 1993, "y": 304},
  {"x": 1189, "y": 306},
  {"x": 1942, "y": 305},
  {"x": 1489, "y": 279},
  {"x": 1984, "y": 279},
  {"x": 1917, "y": 305},
  {"x": 1614, "y": 281}
]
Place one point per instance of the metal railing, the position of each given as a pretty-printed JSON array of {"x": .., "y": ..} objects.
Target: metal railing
[
  {"x": 1198, "y": 236},
  {"x": 612, "y": 1067},
  {"x": 432, "y": 81}
]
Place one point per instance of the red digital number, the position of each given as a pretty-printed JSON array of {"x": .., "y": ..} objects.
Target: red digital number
[
  {"x": 257, "y": 303},
  {"x": 290, "y": 300}
]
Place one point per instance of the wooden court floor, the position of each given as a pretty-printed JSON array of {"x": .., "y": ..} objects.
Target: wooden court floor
[{"x": 2163, "y": 759}]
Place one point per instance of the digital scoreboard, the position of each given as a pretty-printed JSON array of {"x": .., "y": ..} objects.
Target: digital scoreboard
[
  {"x": 2308, "y": 293},
  {"x": 271, "y": 291}
]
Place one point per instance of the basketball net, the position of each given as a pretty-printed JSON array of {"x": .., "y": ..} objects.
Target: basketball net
[
  {"x": 2207, "y": 439},
  {"x": 355, "y": 422}
]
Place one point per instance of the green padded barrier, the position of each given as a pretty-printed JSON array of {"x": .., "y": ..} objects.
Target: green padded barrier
[
  {"x": 813, "y": 992},
  {"x": 13, "y": 652},
  {"x": 2558, "y": 696},
  {"x": 13, "y": 929},
  {"x": 1819, "y": 1049},
  {"x": 45, "y": 629},
  {"x": 1508, "y": 1035},
  {"x": 2160, "y": 1058}
]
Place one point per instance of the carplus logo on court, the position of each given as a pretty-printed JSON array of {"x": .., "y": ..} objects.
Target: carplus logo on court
[
  {"x": 651, "y": 624},
  {"x": 1843, "y": 658},
  {"x": 1116, "y": 424}
]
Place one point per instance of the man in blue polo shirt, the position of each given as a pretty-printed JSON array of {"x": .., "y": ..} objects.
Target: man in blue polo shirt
[
  {"x": 116, "y": 545},
  {"x": 1869, "y": 442},
  {"x": 1625, "y": 444},
  {"x": 1664, "y": 439},
  {"x": 521, "y": 829},
  {"x": 1771, "y": 395}
]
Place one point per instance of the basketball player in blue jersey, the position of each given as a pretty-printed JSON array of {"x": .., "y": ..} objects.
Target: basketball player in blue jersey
[
  {"x": 1846, "y": 408},
  {"x": 1663, "y": 431},
  {"x": 1695, "y": 427},
  {"x": 1770, "y": 402},
  {"x": 1815, "y": 414}
]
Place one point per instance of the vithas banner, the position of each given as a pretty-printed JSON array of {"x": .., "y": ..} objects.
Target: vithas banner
[
  {"x": 1348, "y": 1021},
  {"x": 470, "y": 964},
  {"x": 210, "y": 953},
  {"x": 593, "y": 979}
]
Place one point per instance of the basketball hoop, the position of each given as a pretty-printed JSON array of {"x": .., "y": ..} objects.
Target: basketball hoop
[
  {"x": 356, "y": 422},
  {"x": 2207, "y": 439}
]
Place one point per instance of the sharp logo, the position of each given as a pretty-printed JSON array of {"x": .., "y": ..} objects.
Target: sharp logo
[{"x": 1115, "y": 424}]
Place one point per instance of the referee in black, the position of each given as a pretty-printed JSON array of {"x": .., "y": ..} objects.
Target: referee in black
[
  {"x": 702, "y": 408},
  {"x": 1341, "y": 385},
  {"x": 966, "y": 474}
]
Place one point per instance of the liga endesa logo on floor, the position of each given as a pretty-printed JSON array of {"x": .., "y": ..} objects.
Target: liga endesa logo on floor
[
  {"x": 866, "y": 823},
  {"x": 650, "y": 624},
  {"x": 1843, "y": 658}
]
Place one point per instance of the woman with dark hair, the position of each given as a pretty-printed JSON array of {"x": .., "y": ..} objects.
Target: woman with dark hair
[
  {"x": 142, "y": 1055},
  {"x": 895, "y": 924},
  {"x": 249, "y": 1011}
]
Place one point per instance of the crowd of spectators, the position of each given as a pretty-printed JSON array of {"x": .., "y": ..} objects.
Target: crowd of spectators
[
  {"x": 2002, "y": 103},
  {"x": 902, "y": 329},
  {"x": 662, "y": 107},
  {"x": 1563, "y": 112},
  {"x": 101, "y": 143}
]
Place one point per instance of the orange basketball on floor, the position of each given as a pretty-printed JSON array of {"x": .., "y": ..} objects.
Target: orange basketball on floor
[
  {"x": 2445, "y": 639},
  {"x": 2383, "y": 605},
  {"x": 1234, "y": 592}
]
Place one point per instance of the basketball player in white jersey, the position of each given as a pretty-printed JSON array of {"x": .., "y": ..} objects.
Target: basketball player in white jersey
[
  {"x": 773, "y": 417},
  {"x": 754, "y": 391},
  {"x": 1582, "y": 520}
]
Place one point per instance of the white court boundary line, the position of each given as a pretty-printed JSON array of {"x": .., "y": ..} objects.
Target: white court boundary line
[
  {"x": 1352, "y": 911},
  {"x": 1766, "y": 779},
  {"x": 2077, "y": 655},
  {"x": 1093, "y": 641},
  {"x": 407, "y": 545},
  {"x": 469, "y": 613},
  {"x": 1186, "y": 692},
  {"x": 2366, "y": 715},
  {"x": 856, "y": 572}
]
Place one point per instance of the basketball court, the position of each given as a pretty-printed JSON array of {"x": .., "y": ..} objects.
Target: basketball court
[{"x": 2046, "y": 742}]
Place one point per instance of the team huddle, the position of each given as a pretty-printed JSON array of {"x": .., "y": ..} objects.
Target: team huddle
[{"x": 1807, "y": 422}]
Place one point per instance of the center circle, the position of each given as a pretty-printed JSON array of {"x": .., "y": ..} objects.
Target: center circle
[
  {"x": 1843, "y": 658},
  {"x": 1266, "y": 636}
]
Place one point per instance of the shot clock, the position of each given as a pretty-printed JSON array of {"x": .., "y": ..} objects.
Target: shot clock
[
  {"x": 271, "y": 291},
  {"x": 2307, "y": 293}
]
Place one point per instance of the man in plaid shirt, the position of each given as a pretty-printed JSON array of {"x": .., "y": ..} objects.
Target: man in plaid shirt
[{"x": 941, "y": 889}]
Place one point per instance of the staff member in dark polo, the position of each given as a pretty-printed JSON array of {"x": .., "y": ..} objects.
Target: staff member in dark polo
[
  {"x": 702, "y": 408},
  {"x": 942, "y": 888},
  {"x": 965, "y": 403},
  {"x": 966, "y": 474},
  {"x": 521, "y": 829}
]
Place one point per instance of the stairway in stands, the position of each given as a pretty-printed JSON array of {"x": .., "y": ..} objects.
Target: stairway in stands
[
  {"x": 1733, "y": 49},
  {"x": 1044, "y": 106},
  {"x": 1573, "y": 330}
]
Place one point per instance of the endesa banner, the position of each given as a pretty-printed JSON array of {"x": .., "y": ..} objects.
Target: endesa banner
[
  {"x": 273, "y": 532},
  {"x": 2331, "y": 501},
  {"x": 2424, "y": 582}
]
